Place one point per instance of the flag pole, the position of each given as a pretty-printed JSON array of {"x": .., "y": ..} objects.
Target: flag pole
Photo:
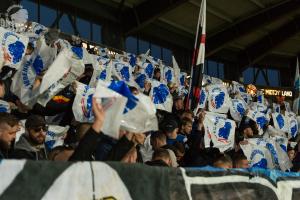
[{"x": 196, "y": 69}]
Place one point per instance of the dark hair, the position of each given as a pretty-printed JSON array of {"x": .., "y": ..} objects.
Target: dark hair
[
  {"x": 237, "y": 157},
  {"x": 158, "y": 135},
  {"x": 188, "y": 112},
  {"x": 9, "y": 119},
  {"x": 223, "y": 158},
  {"x": 186, "y": 121},
  {"x": 160, "y": 153}
]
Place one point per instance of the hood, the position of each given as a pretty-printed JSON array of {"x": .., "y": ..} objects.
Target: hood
[{"x": 24, "y": 144}]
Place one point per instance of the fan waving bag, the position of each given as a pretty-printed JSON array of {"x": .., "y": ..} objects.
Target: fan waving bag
[
  {"x": 280, "y": 122},
  {"x": 66, "y": 68},
  {"x": 82, "y": 106},
  {"x": 161, "y": 96},
  {"x": 113, "y": 104},
  {"x": 237, "y": 109},
  {"x": 12, "y": 48},
  {"x": 220, "y": 131},
  {"x": 218, "y": 99}
]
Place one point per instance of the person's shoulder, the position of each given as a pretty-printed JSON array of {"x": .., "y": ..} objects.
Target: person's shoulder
[{"x": 181, "y": 138}]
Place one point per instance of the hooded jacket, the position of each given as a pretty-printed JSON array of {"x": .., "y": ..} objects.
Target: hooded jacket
[{"x": 24, "y": 149}]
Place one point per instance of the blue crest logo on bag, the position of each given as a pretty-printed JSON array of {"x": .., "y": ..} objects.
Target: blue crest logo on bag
[
  {"x": 217, "y": 100},
  {"x": 140, "y": 80},
  {"x": 293, "y": 127},
  {"x": 273, "y": 152},
  {"x": 86, "y": 103},
  {"x": 242, "y": 89},
  {"x": 225, "y": 131},
  {"x": 240, "y": 108},
  {"x": 132, "y": 60},
  {"x": 102, "y": 75},
  {"x": 202, "y": 97},
  {"x": 182, "y": 79},
  {"x": 50, "y": 143},
  {"x": 283, "y": 147},
  {"x": 168, "y": 75},
  {"x": 261, "y": 121},
  {"x": 15, "y": 49},
  {"x": 3, "y": 109},
  {"x": 262, "y": 163},
  {"x": 149, "y": 70},
  {"x": 121, "y": 88},
  {"x": 125, "y": 73},
  {"x": 25, "y": 77},
  {"x": 160, "y": 94},
  {"x": 38, "y": 65},
  {"x": 78, "y": 52},
  {"x": 280, "y": 121}
]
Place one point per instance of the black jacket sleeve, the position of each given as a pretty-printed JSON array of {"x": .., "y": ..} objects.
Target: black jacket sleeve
[
  {"x": 22, "y": 154},
  {"x": 120, "y": 149},
  {"x": 86, "y": 146}
]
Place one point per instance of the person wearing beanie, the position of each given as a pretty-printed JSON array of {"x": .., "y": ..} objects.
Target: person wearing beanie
[
  {"x": 31, "y": 143},
  {"x": 170, "y": 129}
]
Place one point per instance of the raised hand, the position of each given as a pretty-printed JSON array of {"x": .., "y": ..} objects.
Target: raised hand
[{"x": 99, "y": 115}]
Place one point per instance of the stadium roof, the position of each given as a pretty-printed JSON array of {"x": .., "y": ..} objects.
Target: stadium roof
[{"x": 246, "y": 32}]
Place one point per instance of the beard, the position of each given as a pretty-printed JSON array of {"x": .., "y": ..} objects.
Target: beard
[{"x": 5, "y": 145}]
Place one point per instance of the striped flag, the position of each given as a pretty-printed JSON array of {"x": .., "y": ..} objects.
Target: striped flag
[
  {"x": 297, "y": 89},
  {"x": 198, "y": 60}
]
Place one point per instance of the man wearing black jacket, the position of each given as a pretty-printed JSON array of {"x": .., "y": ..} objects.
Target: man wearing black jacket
[
  {"x": 9, "y": 126},
  {"x": 88, "y": 143}
]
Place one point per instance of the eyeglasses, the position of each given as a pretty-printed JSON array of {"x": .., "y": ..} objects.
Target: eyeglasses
[{"x": 43, "y": 128}]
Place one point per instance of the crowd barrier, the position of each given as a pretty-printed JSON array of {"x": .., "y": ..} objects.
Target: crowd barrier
[{"x": 113, "y": 181}]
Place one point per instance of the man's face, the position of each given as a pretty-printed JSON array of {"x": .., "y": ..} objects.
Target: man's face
[
  {"x": 242, "y": 164},
  {"x": 179, "y": 104},
  {"x": 38, "y": 134},
  {"x": 248, "y": 132},
  {"x": 187, "y": 128},
  {"x": 291, "y": 154},
  {"x": 7, "y": 135}
]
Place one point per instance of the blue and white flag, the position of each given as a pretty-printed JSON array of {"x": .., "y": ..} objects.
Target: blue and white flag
[
  {"x": 114, "y": 105},
  {"x": 4, "y": 107},
  {"x": 161, "y": 96},
  {"x": 12, "y": 48},
  {"x": 218, "y": 98},
  {"x": 82, "y": 105},
  {"x": 55, "y": 136},
  {"x": 280, "y": 122},
  {"x": 220, "y": 131},
  {"x": 237, "y": 109}
]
